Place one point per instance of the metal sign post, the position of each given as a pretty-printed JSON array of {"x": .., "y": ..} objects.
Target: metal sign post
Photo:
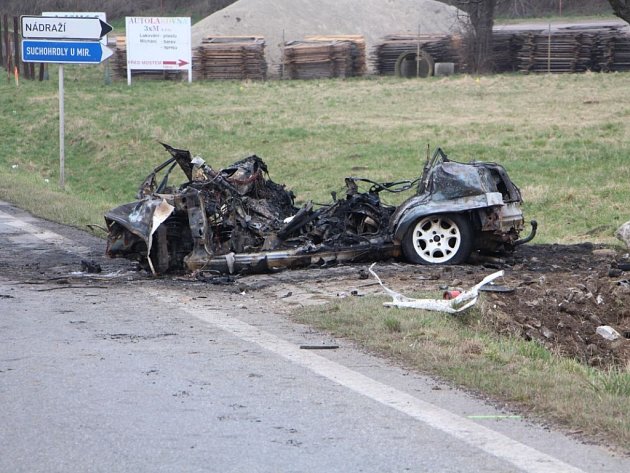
[
  {"x": 62, "y": 150},
  {"x": 64, "y": 40}
]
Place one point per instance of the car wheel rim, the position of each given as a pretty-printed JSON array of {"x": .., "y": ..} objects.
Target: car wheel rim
[{"x": 436, "y": 239}]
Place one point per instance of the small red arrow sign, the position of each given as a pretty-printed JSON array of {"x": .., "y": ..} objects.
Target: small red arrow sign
[{"x": 179, "y": 63}]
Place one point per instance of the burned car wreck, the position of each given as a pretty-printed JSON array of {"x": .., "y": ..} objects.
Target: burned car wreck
[{"x": 237, "y": 220}]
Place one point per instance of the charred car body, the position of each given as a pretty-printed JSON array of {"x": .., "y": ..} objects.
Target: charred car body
[{"x": 238, "y": 220}]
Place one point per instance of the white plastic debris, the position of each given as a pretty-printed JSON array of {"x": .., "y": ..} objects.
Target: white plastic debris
[
  {"x": 451, "y": 306},
  {"x": 623, "y": 233},
  {"x": 162, "y": 211},
  {"x": 607, "y": 332},
  {"x": 229, "y": 260}
]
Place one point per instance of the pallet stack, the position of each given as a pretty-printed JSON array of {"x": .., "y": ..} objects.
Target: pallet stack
[
  {"x": 317, "y": 59},
  {"x": 357, "y": 43},
  {"x": 119, "y": 58},
  {"x": 230, "y": 57},
  {"x": 560, "y": 52},
  {"x": 442, "y": 48},
  {"x": 612, "y": 51},
  {"x": 505, "y": 48},
  {"x": 567, "y": 50}
]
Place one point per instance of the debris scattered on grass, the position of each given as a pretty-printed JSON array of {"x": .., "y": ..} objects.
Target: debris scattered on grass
[
  {"x": 318, "y": 347},
  {"x": 463, "y": 301},
  {"x": 495, "y": 417},
  {"x": 607, "y": 332},
  {"x": 495, "y": 288},
  {"x": 90, "y": 266}
]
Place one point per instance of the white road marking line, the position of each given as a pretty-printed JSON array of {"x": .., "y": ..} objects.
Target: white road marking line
[
  {"x": 496, "y": 444},
  {"x": 59, "y": 241}
]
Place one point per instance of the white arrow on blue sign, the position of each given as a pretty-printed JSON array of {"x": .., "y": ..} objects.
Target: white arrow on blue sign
[
  {"x": 64, "y": 52},
  {"x": 63, "y": 28}
]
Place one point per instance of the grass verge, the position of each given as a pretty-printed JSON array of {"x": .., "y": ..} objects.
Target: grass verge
[{"x": 465, "y": 351}]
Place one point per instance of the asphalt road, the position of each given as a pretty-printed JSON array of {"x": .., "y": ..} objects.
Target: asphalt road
[{"x": 121, "y": 373}]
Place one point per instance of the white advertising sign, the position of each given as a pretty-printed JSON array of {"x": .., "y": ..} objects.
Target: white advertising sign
[
  {"x": 80, "y": 14},
  {"x": 158, "y": 43}
]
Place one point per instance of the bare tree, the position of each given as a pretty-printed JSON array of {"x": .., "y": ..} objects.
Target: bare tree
[
  {"x": 479, "y": 44},
  {"x": 479, "y": 54},
  {"x": 621, "y": 8}
]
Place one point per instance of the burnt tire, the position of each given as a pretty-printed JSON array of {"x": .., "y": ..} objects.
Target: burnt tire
[{"x": 438, "y": 239}]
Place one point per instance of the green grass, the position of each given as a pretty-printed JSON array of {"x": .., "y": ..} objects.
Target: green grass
[
  {"x": 464, "y": 350},
  {"x": 564, "y": 139}
]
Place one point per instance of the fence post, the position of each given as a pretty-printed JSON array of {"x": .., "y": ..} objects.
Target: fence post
[
  {"x": 5, "y": 26},
  {"x": 1, "y": 45},
  {"x": 549, "y": 51},
  {"x": 6, "y": 44}
]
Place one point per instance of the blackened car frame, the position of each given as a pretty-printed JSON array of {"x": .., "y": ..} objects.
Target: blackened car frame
[{"x": 237, "y": 220}]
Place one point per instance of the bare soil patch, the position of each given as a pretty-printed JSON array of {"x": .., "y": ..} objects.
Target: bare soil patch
[
  {"x": 555, "y": 294},
  {"x": 562, "y": 294}
]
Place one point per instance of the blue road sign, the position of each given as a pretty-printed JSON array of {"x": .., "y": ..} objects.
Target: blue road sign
[{"x": 64, "y": 52}]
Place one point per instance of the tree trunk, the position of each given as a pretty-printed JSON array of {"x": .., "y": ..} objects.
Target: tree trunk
[
  {"x": 621, "y": 8},
  {"x": 481, "y": 14}
]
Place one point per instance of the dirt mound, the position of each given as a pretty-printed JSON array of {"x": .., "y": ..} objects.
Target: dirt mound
[
  {"x": 563, "y": 293},
  {"x": 293, "y": 19},
  {"x": 557, "y": 295}
]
